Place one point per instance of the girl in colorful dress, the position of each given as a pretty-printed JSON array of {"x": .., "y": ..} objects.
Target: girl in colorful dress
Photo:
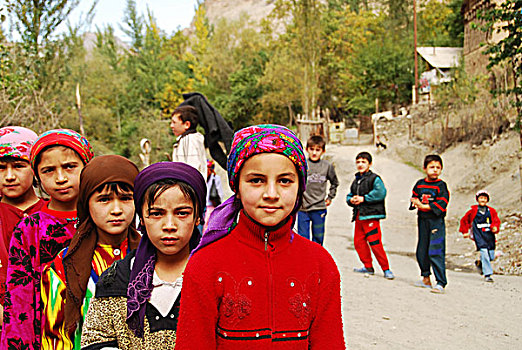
[
  {"x": 136, "y": 305},
  {"x": 57, "y": 158},
  {"x": 253, "y": 282},
  {"x": 105, "y": 233},
  {"x": 16, "y": 186}
]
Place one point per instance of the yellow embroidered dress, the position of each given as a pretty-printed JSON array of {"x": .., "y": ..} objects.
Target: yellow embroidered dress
[{"x": 54, "y": 335}]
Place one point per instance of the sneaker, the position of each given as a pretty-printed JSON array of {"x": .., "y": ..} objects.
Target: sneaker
[
  {"x": 488, "y": 279},
  {"x": 421, "y": 284},
  {"x": 478, "y": 265},
  {"x": 368, "y": 270},
  {"x": 388, "y": 274},
  {"x": 438, "y": 289}
]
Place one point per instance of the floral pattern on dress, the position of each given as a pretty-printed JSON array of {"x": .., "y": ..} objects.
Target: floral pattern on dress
[{"x": 35, "y": 239}]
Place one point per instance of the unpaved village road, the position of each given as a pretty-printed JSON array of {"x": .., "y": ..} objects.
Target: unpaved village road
[{"x": 382, "y": 314}]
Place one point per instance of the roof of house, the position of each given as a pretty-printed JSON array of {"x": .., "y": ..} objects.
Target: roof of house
[{"x": 441, "y": 57}]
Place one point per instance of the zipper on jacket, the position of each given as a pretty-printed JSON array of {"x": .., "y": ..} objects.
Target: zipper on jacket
[{"x": 270, "y": 289}]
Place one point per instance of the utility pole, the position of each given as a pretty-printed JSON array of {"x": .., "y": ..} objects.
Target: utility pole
[{"x": 415, "y": 49}]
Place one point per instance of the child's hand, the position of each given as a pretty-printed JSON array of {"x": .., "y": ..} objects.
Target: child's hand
[
  {"x": 357, "y": 200},
  {"x": 328, "y": 201},
  {"x": 416, "y": 202},
  {"x": 494, "y": 229},
  {"x": 465, "y": 235}
]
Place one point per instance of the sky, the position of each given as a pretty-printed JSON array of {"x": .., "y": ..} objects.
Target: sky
[{"x": 169, "y": 14}]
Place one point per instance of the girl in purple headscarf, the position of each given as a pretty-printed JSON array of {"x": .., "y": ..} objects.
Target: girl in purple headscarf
[
  {"x": 253, "y": 283},
  {"x": 136, "y": 305}
]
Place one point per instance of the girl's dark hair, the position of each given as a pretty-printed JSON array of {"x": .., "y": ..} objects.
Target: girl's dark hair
[
  {"x": 115, "y": 187},
  {"x": 156, "y": 189}
]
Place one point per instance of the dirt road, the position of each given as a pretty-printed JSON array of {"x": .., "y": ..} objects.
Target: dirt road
[{"x": 383, "y": 314}]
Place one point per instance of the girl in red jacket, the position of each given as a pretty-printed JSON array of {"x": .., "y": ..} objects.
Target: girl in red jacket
[
  {"x": 484, "y": 224},
  {"x": 253, "y": 283}
]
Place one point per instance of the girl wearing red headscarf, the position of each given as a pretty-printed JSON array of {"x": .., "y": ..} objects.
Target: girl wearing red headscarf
[{"x": 57, "y": 157}]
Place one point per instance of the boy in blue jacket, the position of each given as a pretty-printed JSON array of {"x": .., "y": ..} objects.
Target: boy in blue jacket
[{"x": 366, "y": 197}]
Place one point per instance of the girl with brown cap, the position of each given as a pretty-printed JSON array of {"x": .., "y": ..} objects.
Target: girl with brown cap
[{"x": 105, "y": 234}]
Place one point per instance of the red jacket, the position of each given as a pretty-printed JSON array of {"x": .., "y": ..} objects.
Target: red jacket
[
  {"x": 467, "y": 220},
  {"x": 237, "y": 295}
]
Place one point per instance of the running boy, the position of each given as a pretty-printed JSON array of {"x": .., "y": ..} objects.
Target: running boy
[
  {"x": 313, "y": 209},
  {"x": 16, "y": 185},
  {"x": 366, "y": 197},
  {"x": 430, "y": 196},
  {"x": 484, "y": 224},
  {"x": 253, "y": 283},
  {"x": 189, "y": 147}
]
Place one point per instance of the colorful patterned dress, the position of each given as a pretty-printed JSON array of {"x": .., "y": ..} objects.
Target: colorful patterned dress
[
  {"x": 36, "y": 241},
  {"x": 54, "y": 335}
]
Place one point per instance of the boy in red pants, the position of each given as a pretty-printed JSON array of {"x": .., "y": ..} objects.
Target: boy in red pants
[{"x": 366, "y": 197}]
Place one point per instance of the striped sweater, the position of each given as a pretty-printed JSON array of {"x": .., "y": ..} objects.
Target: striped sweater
[{"x": 435, "y": 193}]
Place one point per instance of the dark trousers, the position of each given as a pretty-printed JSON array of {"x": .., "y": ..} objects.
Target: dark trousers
[
  {"x": 431, "y": 248},
  {"x": 317, "y": 220}
]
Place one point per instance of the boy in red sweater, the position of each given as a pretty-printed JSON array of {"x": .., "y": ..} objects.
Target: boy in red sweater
[
  {"x": 480, "y": 224},
  {"x": 253, "y": 283},
  {"x": 16, "y": 185}
]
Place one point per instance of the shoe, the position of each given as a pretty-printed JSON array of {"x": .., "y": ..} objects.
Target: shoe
[
  {"x": 488, "y": 279},
  {"x": 388, "y": 274},
  {"x": 438, "y": 289},
  {"x": 368, "y": 270},
  {"x": 422, "y": 284},
  {"x": 478, "y": 265}
]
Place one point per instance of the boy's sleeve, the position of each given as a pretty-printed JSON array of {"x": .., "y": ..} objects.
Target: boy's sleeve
[
  {"x": 378, "y": 192},
  {"x": 334, "y": 182},
  {"x": 465, "y": 222},
  {"x": 98, "y": 330},
  {"x": 495, "y": 221},
  {"x": 414, "y": 194},
  {"x": 438, "y": 206},
  {"x": 19, "y": 327}
]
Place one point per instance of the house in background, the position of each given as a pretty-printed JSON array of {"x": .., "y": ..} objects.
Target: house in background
[
  {"x": 438, "y": 65},
  {"x": 476, "y": 40}
]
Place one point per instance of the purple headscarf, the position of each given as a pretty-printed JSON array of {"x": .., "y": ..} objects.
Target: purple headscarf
[
  {"x": 265, "y": 138},
  {"x": 140, "y": 281}
]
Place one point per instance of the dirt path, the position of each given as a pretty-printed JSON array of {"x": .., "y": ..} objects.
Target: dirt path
[{"x": 382, "y": 314}]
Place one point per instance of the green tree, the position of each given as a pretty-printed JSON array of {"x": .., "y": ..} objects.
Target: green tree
[
  {"x": 304, "y": 35},
  {"x": 507, "y": 18}
]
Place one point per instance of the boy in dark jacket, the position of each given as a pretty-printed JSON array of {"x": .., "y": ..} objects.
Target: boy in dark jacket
[
  {"x": 366, "y": 197},
  {"x": 430, "y": 196},
  {"x": 484, "y": 224}
]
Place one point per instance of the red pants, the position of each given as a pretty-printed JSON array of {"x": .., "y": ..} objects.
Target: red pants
[{"x": 368, "y": 235}]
